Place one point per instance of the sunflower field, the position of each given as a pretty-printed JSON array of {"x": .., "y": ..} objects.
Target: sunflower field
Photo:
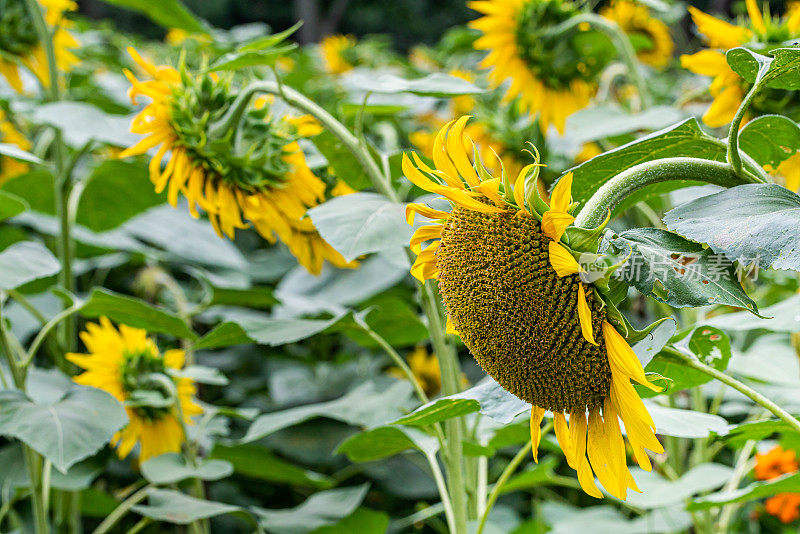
[{"x": 535, "y": 274}]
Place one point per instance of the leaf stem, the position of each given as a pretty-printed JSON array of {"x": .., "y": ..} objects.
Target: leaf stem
[
  {"x": 610, "y": 194},
  {"x": 121, "y": 510},
  {"x": 498, "y": 486},
  {"x": 443, "y": 493},
  {"x": 733, "y": 156}
]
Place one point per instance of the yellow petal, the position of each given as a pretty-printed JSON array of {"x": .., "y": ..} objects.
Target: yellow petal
[
  {"x": 562, "y": 435},
  {"x": 705, "y": 62},
  {"x": 450, "y": 328},
  {"x": 536, "y": 430},
  {"x": 724, "y": 107},
  {"x": 423, "y": 210},
  {"x": 577, "y": 434},
  {"x": 555, "y": 223},
  {"x": 755, "y": 16},
  {"x": 457, "y": 151},
  {"x": 562, "y": 194},
  {"x": 442, "y": 161},
  {"x": 720, "y": 34},
  {"x": 585, "y": 315},
  {"x": 424, "y": 233},
  {"x": 562, "y": 261},
  {"x": 622, "y": 358},
  {"x": 416, "y": 177}
]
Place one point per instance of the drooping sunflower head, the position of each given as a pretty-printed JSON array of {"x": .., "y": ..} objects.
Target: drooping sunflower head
[
  {"x": 128, "y": 365},
  {"x": 649, "y": 36},
  {"x": 19, "y": 42},
  {"x": 255, "y": 171},
  {"x": 526, "y": 309},
  {"x": 9, "y": 134},
  {"x": 336, "y": 53},
  {"x": 553, "y": 75}
]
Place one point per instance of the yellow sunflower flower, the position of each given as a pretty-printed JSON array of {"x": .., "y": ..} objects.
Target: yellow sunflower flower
[
  {"x": 649, "y": 36},
  {"x": 514, "y": 293},
  {"x": 789, "y": 170},
  {"x": 261, "y": 175},
  {"x": 426, "y": 370},
  {"x": 19, "y": 44},
  {"x": 9, "y": 134},
  {"x": 120, "y": 362},
  {"x": 553, "y": 76},
  {"x": 727, "y": 88},
  {"x": 333, "y": 49}
]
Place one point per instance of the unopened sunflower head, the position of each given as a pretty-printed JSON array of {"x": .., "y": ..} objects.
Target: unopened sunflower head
[
  {"x": 19, "y": 42},
  {"x": 9, "y": 134},
  {"x": 530, "y": 314},
  {"x": 128, "y": 365},
  {"x": 252, "y": 172},
  {"x": 649, "y": 36},
  {"x": 759, "y": 31},
  {"x": 553, "y": 75}
]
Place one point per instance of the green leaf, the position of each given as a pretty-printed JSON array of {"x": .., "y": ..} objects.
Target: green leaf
[
  {"x": 361, "y": 223},
  {"x": 601, "y": 122},
  {"x": 11, "y": 205},
  {"x": 363, "y": 521},
  {"x": 757, "y": 431},
  {"x": 366, "y": 405},
  {"x": 73, "y": 425},
  {"x": 25, "y": 262},
  {"x": 685, "y": 423},
  {"x": 385, "y": 441},
  {"x": 751, "y": 224},
  {"x": 781, "y": 71},
  {"x": 167, "y": 13},
  {"x": 321, "y": 509},
  {"x": 172, "y": 468},
  {"x": 607, "y": 520},
  {"x": 251, "y": 58},
  {"x": 255, "y": 461},
  {"x": 13, "y": 472},
  {"x": 263, "y": 43},
  {"x": 344, "y": 164},
  {"x": 757, "y": 490},
  {"x": 134, "y": 312},
  {"x": 439, "y": 410},
  {"x": 535, "y": 476},
  {"x": 81, "y": 122},
  {"x": 254, "y": 297},
  {"x": 658, "y": 492},
  {"x": 783, "y": 318},
  {"x": 392, "y": 319},
  {"x": 673, "y": 270},
  {"x": 116, "y": 191},
  {"x": 201, "y": 374},
  {"x": 709, "y": 344},
  {"x": 678, "y": 140},
  {"x": 436, "y": 84},
  {"x": 495, "y": 402},
  {"x": 179, "y": 509},
  {"x": 770, "y": 139},
  {"x": 15, "y": 152}
]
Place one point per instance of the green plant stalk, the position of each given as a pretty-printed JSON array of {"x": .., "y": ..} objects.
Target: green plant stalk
[
  {"x": 653, "y": 172},
  {"x": 733, "y": 156},
  {"x": 620, "y": 41},
  {"x": 504, "y": 476},
  {"x": 742, "y": 388},
  {"x": 120, "y": 511},
  {"x": 448, "y": 361}
]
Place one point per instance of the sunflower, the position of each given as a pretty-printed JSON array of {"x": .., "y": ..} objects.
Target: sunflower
[
  {"x": 426, "y": 370},
  {"x": 649, "y": 36},
  {"x": 9, "y": 134},
  {"x": 553, "y": 75},
  {"x": 258, "y": 172},
  {"x": 334, "y": 50},
  {"x": 19, "y": 43},
  {"x": 727, "y": 88},
  {"x": 122, "y": 362},
  {"x": 516, "y": 295},
  {"x": 773, "y": 464}
]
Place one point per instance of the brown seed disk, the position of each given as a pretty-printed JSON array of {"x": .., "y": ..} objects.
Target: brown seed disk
[{"x": 519, "y": 320}]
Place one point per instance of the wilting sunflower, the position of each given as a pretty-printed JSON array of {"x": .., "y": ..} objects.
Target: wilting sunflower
[
  {"x": 257, "y": 171},
  {"x": 773, "y": 464},
  {"x": 649, "y": 36},
  {"x": 727, "y": 88},
  {"x": 9, "y": 134},
  {"x": 334, "y": 50},
  {"x": 553, "y": 75},
  {"x": 515, "y": 294},
  {"x": 123, "y": 362},
  {"x": 19, "y": 43}
]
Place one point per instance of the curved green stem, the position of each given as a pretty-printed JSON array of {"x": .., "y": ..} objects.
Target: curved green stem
[
  {"x": 498, "y": 486},
  {"x": 733, "y": 155},
  {"x": 744, "y": 389},
  {"x": 653, "y": 172},
  {"x": 443, "y": 493},
  {"x": 120, "y": 511},
  {"x": 42, "y": 334},
  {"x": 620, "y": 41}
]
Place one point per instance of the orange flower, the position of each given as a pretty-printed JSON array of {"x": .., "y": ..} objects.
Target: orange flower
[
  {"x": 775, "y": 463},
  {"x": 784, "y": 506}
]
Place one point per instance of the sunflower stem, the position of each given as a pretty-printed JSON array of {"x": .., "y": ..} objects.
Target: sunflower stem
[
  {"x": 733, "y": 156},
  {"x": 614, "y": 191},
  {"x": 120, "y": 511},
  {"x": 744, "y": 389}
]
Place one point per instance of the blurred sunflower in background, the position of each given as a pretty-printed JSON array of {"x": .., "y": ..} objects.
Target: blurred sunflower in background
[
  {"x": 522, "y": 304},
  {"x": 257, "y": 172},
  {"x": 553, "y": 75},
  {"x": 19, "y": 43},
  {"x": 334, "y": 51},
  {"x": 773, "y": 464},
  {"x": 425, "y": 367},
  {"x": 649, "y": 36},
  {"x": 10, "y": 135},
  {"x": 124, "y": 362}
]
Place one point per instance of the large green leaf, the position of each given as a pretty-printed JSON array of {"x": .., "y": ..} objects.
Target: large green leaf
[
  {"x": 250, "y": 58},
  {"x": 537, "y": 474},
  {"x": 600, "y": 122},
  {"x": 344, "y": 164},
  {"x": 255, "y": 461},
  {"x": 361, "y": 223},
  {"x": 608, "y": 520},
  {"x": 658, "y": 492},
  {"x": 676, "y": 271},
  {"x": 363, "y": 521},
  {"x": 757, "y": 490},
  {"x": 321, "y": 509},
  {"x": 770, "y": 139},
  {"x": 25, "y": 262},
  {"x": 751, "y": 224},
  {"x": 436, "y": 84},
  {"x": 13, "y": 472},
  {"x": 11, "y": 205},
  {"x": 174, "y": 507},
  {"x": 134, "y": 312},
  {"x": 758, "y": 431},
  {"x": 682, "y": 139},
  {"x": 709, "y": 344},
  {"x": 780, "y": 71},
  {"x": 783, "y": 317},
  {"x": 172, "y": 468},
  {"x": 385, "y": 441},
  {"x": 81, "y": 122},
  {"x": 71, "y": 425},
  {"x": 685, "y": 423},
  {"x": 167, "y": 13},
  {"x": 116, "y": 191}
]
